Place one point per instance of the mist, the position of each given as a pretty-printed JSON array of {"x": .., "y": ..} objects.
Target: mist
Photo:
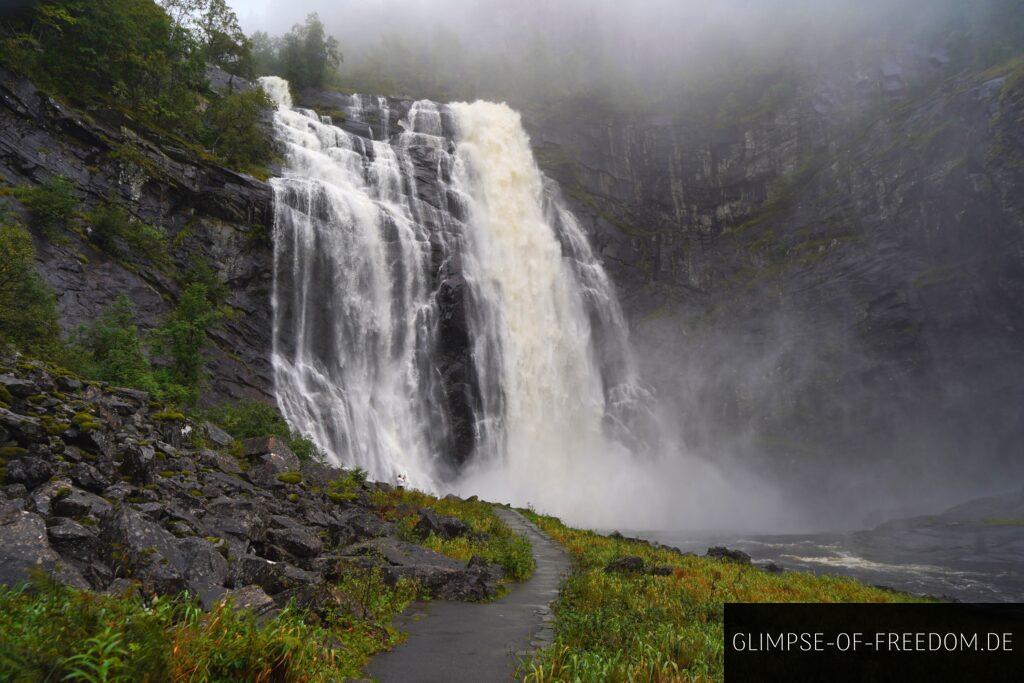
[
  {"x": 654, "y": 52},
  {"x": 759, "y": 430}
]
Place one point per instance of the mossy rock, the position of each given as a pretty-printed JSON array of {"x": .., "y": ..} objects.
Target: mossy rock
[
  {"x": 86, "y": 422},
  {"x": 289, "y": 477},
  {"x": 8, "y": 452},
  {"x": 5, "y": 396},
  {"x": 169, "y": 415},
  {"x": 36, "y": 399}
]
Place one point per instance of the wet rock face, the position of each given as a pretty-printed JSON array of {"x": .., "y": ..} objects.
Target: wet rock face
[
  {"x": 823, "y": 266},
  {"x": 208, "y": 213},
  {"x": 127, "y": 508}
]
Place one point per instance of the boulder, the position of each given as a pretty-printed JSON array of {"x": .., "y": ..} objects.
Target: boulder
[
  {"x": 88, "y": 477},
  {"x": 145, "y": 551},
  {"x": 625, "y": 565},
  {"x": 139, "y": 463},
  {"x": 273, "y": 577},
  {"x": 206, "y": 570},
  {"x": 440, "y": 525},
  {"x": 216, "y": 435},
  {"x": 29, "y": 471},
  {"x": 441, "y": 576},
  {"x": 299, "y": 541},
  {"x": 269, "y": 457},
  {"x": 21, "y": 427},
  {"x": 721, "y": 553},
  {"x": 357, "y": 524},
  {"x": 78, "y": 503},
  {"x": 251, "y": 598},
  {"x": 18, "y": 387},
  {"x": 24, "y": 548}
]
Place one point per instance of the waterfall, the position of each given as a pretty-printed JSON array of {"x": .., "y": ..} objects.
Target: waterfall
[{"x": 438, "y": 312}]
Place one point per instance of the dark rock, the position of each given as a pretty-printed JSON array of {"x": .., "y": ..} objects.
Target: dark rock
[
  {"x": 145, "y": 551},
  {"x": 24, "y": 548},
  {"x": 139, "y": 463},
  {"x": 217, "y": 436},
  {"x": 88, "y": 477},
  {"x": 18, "y": 387},
  {"x": 251, "y": 598},
  {"x": 299, "y": 541},
  {"x": 269, "y": 456},
  {"x": 440, "y": 525},
  {"x": 24, "y": 429},
  {"x": 28, "y": 471},
  {"x": 271, "y": 576},
  {"x": 79, "y": 503},
  {"x": 442, "y": 577},
  {"x": 625, "y": 565},
  {"x": 721, "y": 553},
  {"x": 357, "y": 524},
  {"x": 771, "y": 567},
  {"x": 206, "y": 570}
]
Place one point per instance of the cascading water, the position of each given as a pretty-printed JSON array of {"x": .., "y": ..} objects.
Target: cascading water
[{"x": 438, "y": 313}]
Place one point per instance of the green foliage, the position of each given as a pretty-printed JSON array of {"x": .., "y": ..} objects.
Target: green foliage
[
  {"x": 131, "y": 56},
  {"x": 200, "y": 272},
  {"x": 28, "y": 310},
  {"x": 233, "y": 129},
  {"x": 182, "y": 337},
  {"x": 214, "y": 26},
  {"x": 248, "y": 419},
  {"x": 111, "y": 349},
  {"x": 641, "y": 627},
  {"x": 125, "y": 52},
  {"x": 51, "y": 206},
  {"x": 290, "y": 477},
  {"x": 112, "y": 225},
  {"x": 51, "y": 632},
  {"x": 347, "y": 486},
  {"x": 305, "y": 56}
]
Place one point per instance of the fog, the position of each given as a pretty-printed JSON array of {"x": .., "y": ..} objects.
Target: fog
[
  {"x": 542, "y": 50},
  {"x": 758, "y": 432}
]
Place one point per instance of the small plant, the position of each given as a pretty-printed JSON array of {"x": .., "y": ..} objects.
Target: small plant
[
  {"x": 51, "y": 206},
  {"x": 289, "y": 477}
]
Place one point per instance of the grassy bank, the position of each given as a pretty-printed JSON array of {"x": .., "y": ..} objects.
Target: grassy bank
[
  {"x": 53, "y": 633},
  {"x": 489, "y": 537},
  {"x": 644, "y": 627}
]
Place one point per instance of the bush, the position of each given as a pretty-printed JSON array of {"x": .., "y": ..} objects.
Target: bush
[
  {"x": 51, "y": 206},
  {"x": 248, "y": 419},
  {"x": 111, "y": 349},
  {"x": 182, "y": 337},
  {"x": 28, "y": 310},
  {"x": 112, "y": 224},
  {"x": 233, "y": 130}
]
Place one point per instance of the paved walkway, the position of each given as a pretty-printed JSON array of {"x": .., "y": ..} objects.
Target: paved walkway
[{"x": 451, "y": 642}]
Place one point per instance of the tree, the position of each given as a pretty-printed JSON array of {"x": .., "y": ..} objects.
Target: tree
[
  {"x": 183, "y": 336},
  {"x": 307, "y": 53},
  {"x": 111, "y": 349},
  {"x": 233, "y": 130},
  {"x": 28, "y": 310},
  {"x": 215, "y": 27}
]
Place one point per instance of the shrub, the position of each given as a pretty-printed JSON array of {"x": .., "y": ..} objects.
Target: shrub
[
  {"x": 28, "y": 309},
  {"x": 112, "y": 225},
  {"x": 233, "y": 130},
  {"x": 247, "y": 419},
  {"x": 182, "y": 337},
  {"x": 111, "y": 349},
  {"x": 51, "y": 205}
]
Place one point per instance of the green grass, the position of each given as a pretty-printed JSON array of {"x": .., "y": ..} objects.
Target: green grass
[
  {"x": 50, "y": 632},
  {"x": 489, "y": 537},
  {"x": 615, "y": 627}
]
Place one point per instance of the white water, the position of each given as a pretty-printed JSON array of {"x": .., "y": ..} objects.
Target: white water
[{"x": 370, "y": 234}]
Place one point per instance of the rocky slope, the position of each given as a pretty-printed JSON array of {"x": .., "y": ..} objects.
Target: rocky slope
[
  {"x": 207, "y": 212},
  {"x": 104, "y": 490}
]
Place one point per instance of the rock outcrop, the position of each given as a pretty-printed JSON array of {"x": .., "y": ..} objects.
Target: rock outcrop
[
  {"x": 207, "y": 212},
  {"x": 93, "y": 493}
]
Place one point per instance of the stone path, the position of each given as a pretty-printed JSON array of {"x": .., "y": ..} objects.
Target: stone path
[{"x": 450, "y": 642}]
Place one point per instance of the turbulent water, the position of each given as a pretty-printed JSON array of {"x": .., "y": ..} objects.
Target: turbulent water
[{"x": 439, "y": 316}]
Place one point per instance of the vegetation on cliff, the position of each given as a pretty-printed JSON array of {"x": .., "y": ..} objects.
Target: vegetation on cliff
[
  {"x": 132, "y": 57},
  {"x": 658, "y": 615}
]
